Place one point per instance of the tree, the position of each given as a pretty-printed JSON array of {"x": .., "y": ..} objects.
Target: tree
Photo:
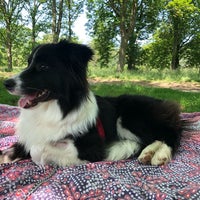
[
  {"x": 57, "y": 14},
  {"x": 22, "y": 47},
  {"x": 35, "y": 17},
  {"x": 10, "y": 18},
  {"x": 176, "y": 37},
  {"x": 126, "y": 20},
  {"x": 157, "y": 54},
  {"x": 183, "y": 17},
  {"x": 63, "y": 15},
  {"x": 132, "y": 52},
  {"x": 73, "y": 9},
  {"x": 146, "y": 21},
  {"x": 109, "y": 19},
  {"x": 102, "y": 26},
  {"x": 191, "y": 53},
  {"x": 2, "y": 50},
  {"x": 125, "y": 11}
]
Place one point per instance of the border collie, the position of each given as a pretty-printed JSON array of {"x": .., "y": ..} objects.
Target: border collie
[{"x": 63, "y": 122}]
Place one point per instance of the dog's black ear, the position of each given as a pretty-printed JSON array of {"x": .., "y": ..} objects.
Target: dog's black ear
[{"x": 76, "y": 53}]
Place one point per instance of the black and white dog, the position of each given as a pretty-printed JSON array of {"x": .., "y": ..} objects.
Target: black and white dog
[{"x": 63, "y": 122}]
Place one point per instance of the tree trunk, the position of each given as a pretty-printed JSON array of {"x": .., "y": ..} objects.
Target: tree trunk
[
  {"x": 122, "y": 53},
  {"x": 175, "y": 57},
  {"x": 56, "y": 24},
  {"x": 131, "y": 66},
  {"x": 127, "y": 24},
  {"x": 33, "y": 35},
  {"x": 123, "y": 34},
  {"x": 9, "y": 57},
  {"x": 53, "y": 27},
  {"x": 69, "y": 21},
  {"x": 9, "y": 48},
  {"x": 60, "y": 15},
  {"x": 176, "y": 46},
  {"x": 33, "y": 21},
  {"x": 132, "y": 52}
]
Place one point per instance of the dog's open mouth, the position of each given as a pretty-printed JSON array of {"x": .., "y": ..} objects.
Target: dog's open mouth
[{"x": 28, "y": 101}]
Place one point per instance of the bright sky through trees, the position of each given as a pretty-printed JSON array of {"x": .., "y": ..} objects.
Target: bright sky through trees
[{"x": 80, "y": 29}]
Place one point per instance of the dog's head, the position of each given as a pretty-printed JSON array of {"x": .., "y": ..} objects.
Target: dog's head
[{"x": 55, "y": 71}]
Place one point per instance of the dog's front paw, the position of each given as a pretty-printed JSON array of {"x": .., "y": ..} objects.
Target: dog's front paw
[
  {"x": 146, "y": 156},
  {"x": 157, "y": 153},
  {"x": 162, "y": 156},
  {"x": 6, "y": 156}
]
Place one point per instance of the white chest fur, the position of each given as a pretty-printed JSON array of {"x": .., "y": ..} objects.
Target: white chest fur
[{"x": 39, "y": 126}]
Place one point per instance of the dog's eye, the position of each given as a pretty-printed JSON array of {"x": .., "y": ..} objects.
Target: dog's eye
[{"x": 43, "y": 67}]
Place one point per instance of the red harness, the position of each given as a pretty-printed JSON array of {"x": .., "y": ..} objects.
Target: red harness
[{"x": 100, "y": 129}]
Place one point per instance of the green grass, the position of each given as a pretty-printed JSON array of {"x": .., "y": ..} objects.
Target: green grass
[
  {"x": 189, "y": 101},
  {"x": 147, "y": 74},
  {"x": 5, "y": 97}
]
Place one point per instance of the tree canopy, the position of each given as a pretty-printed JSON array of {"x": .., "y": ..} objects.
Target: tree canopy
[{"x": 155, "y": 33}]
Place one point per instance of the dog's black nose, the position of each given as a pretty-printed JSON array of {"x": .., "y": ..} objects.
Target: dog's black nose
[{"x": 9, "y": 84}]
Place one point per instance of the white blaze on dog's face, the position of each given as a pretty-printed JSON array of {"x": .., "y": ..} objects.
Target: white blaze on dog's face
[{"x": 55, "y": 71}]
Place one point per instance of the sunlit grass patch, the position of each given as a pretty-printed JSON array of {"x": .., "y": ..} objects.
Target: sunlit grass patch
[
  {"x": 189, "y": 101},
  {"x": 5, "y": 97}
]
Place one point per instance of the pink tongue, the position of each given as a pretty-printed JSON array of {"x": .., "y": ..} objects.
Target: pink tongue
[{"x": 23, "y": 101}]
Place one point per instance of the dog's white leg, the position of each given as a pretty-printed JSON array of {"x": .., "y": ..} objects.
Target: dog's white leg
[
  {"x": 62, "y": 153},
  {"x": 122, "y": 150}
]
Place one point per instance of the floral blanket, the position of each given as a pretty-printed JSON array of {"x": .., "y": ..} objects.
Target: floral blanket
[{"x": 126, "y": 179}]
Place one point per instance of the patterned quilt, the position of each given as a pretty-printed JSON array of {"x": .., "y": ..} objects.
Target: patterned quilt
[{"x": 126, "y": 179}]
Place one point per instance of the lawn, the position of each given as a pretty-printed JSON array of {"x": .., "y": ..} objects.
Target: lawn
[
  {"x": 190, "y": 101},
  {"x": 145, "y": 73},
  {"x": 5, "y": 97}
]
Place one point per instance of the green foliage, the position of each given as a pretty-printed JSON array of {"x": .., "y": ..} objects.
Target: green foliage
[
  {"x": 118, "y": 23},
  {"x": 22, "y": 47},
  {"x": 158, "y": 53},
  {"x": 72, "y": 10},
  {"x": 181, "y": 8},
  {"x": 102, "y": 25},
  {"x": 10, "y": 18},
  {"x": 36, "y": 19},
  {"x": 23, "y": 23},
  {"x": 3, "y": 60},
  {"x": 160, "y": 30},
  {"x": 192, "y": 54},
  {"x": 184, "y": 17},
  {"x": 176, "y": 38}
]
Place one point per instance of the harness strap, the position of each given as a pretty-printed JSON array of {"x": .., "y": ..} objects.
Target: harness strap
[{"x": 100, "y": 129}]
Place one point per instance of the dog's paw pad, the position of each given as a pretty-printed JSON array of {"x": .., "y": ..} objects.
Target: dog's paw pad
[
  {"x": 145, "y": 157},
  {"x": 157, "y": 153},
  {"x": 162, "y": 156},
  {"x": 159, "y": 161}
]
